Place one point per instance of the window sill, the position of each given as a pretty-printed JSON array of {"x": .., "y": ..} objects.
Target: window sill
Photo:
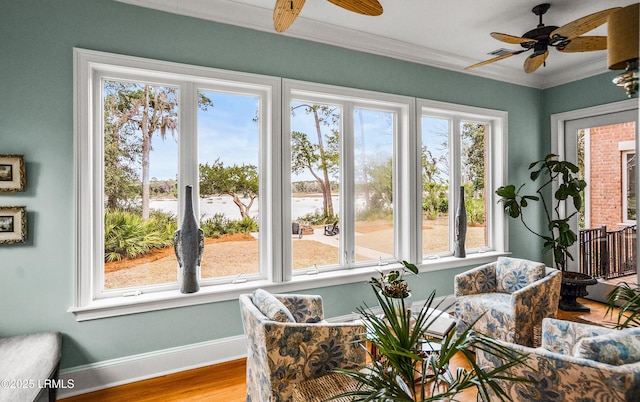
[{"x": 118, "y": 306}]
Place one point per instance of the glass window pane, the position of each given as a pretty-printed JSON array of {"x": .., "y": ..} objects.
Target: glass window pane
[
  {"x": 373, "y": 179},
  {"x": 631, "y": 186},
  {"x": 315, "y": 175},
  {"x": 435, "y": 185},
  {"x": 140, "y": 170},
  {"x": 473, "y": 161},
  {"x": 228, "y": 157}
]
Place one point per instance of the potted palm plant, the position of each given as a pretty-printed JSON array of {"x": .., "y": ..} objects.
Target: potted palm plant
[
  {"x": 406, "y": 368},
  {"x": 558, "y": 236},
  {"x": 626, "y": 297}
]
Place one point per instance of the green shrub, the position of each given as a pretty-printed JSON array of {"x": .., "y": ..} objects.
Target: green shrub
[
  {"x": 475, "y": 211},
  {"x": 219, "y": 225},
  {"x": 215, "y": 226},
  {"x": 129, "y": 235},
  {"x": 317, "y": 218},
  {"x": 375, "y": 212}
]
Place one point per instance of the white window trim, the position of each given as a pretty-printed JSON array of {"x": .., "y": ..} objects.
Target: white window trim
[
  {"x": 89, "y": 68},
  {"x": 625, "y": 184},
  {"x": 349, "y": 100},
  {"x": 497, "y": 121},
  {"x": 87, "y": 232}
]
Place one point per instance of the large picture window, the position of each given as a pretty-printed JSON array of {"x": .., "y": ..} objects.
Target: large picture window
[
  {"x": 343, "y": 146},
  {"x": 295, "y": 184},
  {"x": 461, "y": 149}
]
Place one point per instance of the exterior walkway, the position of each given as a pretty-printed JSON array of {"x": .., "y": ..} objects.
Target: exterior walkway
[{"x": 319, "y": 236}]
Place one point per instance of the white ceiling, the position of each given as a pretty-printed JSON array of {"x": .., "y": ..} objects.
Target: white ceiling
[{"x": 445, "y": 34}]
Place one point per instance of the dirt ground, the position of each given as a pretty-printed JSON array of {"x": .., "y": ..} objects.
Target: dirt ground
[{"x": 235, "y": 254}]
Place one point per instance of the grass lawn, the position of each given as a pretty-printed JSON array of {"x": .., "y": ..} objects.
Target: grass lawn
[{"x": 235, "y": 254}]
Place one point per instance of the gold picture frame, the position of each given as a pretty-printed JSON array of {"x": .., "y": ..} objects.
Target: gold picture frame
[
  {"x": 13, "y": 225},
  {"x": 12, "y": 173}
]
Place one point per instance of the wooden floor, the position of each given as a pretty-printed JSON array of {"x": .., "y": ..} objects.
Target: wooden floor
[{"x": 226, "y": 381}]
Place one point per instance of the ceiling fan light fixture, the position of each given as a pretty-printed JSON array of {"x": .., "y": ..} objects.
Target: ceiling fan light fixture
[{"x": 622, "y": 44}]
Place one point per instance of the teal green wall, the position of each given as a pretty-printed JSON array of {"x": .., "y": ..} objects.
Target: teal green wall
[{"x": 36, "y": 119}]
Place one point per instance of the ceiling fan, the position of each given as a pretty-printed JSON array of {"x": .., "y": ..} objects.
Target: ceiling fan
[
  {"x": 286, "y": 11},
  {"x": 565, "y": 38}
]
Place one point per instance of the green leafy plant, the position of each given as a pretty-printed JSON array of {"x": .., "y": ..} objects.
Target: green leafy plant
[
  {"x": 398, "y": 336},
  {"x": 392, "y": 284},
  {"x": 219, "y": 225},
  {"x": 628, "y": 295},
  {"x": 128, "y": 235},
  {"x": 559, "y": 236}
]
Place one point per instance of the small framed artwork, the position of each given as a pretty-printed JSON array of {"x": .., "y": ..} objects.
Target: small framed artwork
[
  {"x": 12, "y": 173},
  {"x": 13, "y": 225}
]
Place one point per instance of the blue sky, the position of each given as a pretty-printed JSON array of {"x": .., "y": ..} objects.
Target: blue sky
[{"x": 227, "y": 131}]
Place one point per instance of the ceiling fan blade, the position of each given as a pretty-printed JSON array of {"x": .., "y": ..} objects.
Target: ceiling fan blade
[
  {"x": 516, "y": 40},
  {"x": 583, "y": 25},
  {"x": 285, "y": 12},
  {"x": 366, "y": 7},
  {"x": 585, "y": 44},
  {"x": 504, "y": 56},
  {"x": 533, "y": 62}
]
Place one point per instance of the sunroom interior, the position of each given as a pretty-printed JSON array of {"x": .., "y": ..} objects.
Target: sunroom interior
[{"x": 57, "y": 57}]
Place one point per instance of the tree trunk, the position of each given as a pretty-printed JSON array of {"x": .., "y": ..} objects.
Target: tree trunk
[
  {"x": 146, "y": 149},
  {"x": 325, "y": 184},
  {"x": 243, "y": 208}
]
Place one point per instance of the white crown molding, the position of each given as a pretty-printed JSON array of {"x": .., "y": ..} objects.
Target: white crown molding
[
  {"x": 259, "y": 18},
  {"x": 577, "y": 73}
]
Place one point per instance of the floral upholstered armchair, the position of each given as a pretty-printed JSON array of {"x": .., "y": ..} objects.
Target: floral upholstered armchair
[
  {"x": 576, "y": 363},
  {"x": 509, "y": 298},
  {"x": 289, "y": 342}
]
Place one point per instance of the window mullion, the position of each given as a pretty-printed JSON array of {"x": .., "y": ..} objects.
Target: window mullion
[
  {"x": 188, "y": 147},
  {"x": 285, "y": 178},
  {"x": 455, "y": 175},
  {"x": 347, "y": 186},
  {"x": 407, "y": 185},
  {"x": 276, "y": 166}
]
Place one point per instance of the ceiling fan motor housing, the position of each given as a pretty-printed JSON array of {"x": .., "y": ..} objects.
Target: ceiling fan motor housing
[{"x": 541, "y": 37}]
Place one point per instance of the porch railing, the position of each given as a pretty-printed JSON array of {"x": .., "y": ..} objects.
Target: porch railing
[{"x": 607, "y": 255}]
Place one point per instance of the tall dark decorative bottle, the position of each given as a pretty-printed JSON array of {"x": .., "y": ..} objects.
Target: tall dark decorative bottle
[
  {"x": 188, "y": 242},
  {"x": 460, "y": 227}
]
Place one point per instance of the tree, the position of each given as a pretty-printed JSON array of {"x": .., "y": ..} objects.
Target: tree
[
  {"x": 435, "y": 197},
  {"x": 380, "y": 183},
  {"x": 147, "y": 110},
  {"x": 235, "y": 181},
  {"x": 473, "y": 153},
  {"x": 121, "y": 153},
  {"x": 321, "y": 158}
]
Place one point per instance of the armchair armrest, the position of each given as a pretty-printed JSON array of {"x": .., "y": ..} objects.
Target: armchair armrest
[
  {"x": 481, "y": 279},
  {"x": 540, "y": 297},
  {"x": 533, "y": 303},
  {"x": 560, "y": 336}
]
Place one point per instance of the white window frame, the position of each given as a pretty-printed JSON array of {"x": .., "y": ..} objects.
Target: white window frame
[
  {"x": 626, "y": 150},
  {"x": 496, "y": 169},
  {"x": 90, "y": 69},
  {"x": 274, "y": 165},
  {"x": 349, "y": 100}
]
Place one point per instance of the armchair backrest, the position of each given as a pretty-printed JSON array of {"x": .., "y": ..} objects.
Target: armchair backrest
[
  {"x": 513, "y": 274},
  {"x": 282, "y": 354}
]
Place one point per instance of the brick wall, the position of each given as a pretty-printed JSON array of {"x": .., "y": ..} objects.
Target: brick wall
[{"x": 606, "y": 173}]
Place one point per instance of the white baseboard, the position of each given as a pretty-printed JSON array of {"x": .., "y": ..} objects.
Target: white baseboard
[
  {"x": 110, "y": 373},
  {"x": 125, "y": 370}
]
